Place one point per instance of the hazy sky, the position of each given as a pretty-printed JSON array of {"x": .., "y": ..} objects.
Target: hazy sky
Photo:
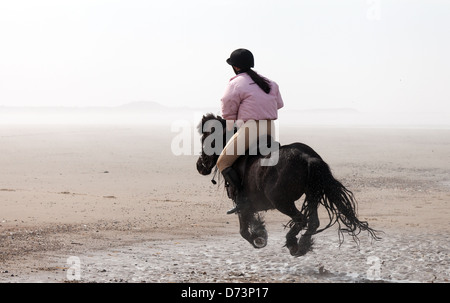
[{"x": 386, "y": 55}]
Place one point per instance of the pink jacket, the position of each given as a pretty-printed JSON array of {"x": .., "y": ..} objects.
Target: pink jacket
[{"x": 245, "y": 100}]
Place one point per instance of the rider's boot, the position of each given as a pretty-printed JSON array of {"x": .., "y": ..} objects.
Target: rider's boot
[{"x": 233, "y": 179}]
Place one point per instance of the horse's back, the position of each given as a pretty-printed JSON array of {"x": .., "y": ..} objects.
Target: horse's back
[
  {"x": 294, "y": 152},
  {"x": 301, "y": 148}
]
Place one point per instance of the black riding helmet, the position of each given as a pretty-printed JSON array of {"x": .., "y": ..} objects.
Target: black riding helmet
[{"x": 242, "y": 58}]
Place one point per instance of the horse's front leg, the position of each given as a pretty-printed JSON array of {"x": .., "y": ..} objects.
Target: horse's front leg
[
  {"x": 252, "y": 229},
  {"x": 244, "y": 226},
  {"x": 258, "y": 232}
]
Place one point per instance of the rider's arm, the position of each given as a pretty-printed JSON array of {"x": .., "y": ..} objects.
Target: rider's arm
[
  {"x": 230, "y": 102},
  {"x": 280, "y": 102}
]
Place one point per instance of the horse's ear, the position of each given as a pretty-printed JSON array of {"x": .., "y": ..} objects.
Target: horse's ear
[
  {"x": 223, "y": 121},
  {"x": 205, "y": 118}
]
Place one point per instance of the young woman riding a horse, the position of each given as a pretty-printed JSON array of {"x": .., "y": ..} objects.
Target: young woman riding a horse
[{"x": 250, "y": 101}]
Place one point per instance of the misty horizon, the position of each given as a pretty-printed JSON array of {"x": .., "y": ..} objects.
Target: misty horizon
[
  {"x": 371, "y": 56},
  {"x": 154, "y": 105},
  {"x": 151, "y": 112}
]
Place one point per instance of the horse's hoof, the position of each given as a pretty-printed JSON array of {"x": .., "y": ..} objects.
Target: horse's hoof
[
  {"x": 293, "y": 250},
  {"x": 305, "y": 245},
  {"x": 259, "y": 242}
]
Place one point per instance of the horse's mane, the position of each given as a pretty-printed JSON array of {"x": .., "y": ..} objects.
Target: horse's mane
[{"x": 208, "y": 117}]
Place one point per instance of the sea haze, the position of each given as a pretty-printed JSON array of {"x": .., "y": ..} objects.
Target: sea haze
[{"x": 147, "y": 112}]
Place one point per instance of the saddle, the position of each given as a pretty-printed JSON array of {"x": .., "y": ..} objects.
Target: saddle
[{"x": 254, "y": 152}]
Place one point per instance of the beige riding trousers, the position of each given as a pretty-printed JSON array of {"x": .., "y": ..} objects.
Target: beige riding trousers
[{"x": 246, "y": 136}]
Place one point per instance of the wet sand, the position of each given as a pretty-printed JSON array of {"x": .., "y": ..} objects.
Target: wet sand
[{"x": 116, "y": 200}]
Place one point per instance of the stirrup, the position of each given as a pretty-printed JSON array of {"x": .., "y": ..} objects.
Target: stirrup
[
  {"x": 238, "y": 207},
  {"x": 233, "y": 210}
]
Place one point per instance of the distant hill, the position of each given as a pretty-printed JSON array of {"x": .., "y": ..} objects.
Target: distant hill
[
  {"x": 138, "y": 106},
  {"x": 133, "y": 112},
  {"x": 143, "y": 105},
  {"x": 329, "y": 111}
]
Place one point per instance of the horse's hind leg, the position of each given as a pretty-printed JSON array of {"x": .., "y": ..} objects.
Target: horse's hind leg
[
  {"x": 297, "y": 223},
  {"x": 305, "y": 243},
  {"x": 296, "y": 226}
]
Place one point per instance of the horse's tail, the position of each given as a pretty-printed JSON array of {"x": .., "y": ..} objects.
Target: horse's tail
[{"x": 339, "y": 202}]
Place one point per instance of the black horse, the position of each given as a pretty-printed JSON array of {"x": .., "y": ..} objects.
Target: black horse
[{"x": 299, "y": 171}]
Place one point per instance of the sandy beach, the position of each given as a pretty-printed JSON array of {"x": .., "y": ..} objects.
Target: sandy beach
[{"x": 112, "y": 203}]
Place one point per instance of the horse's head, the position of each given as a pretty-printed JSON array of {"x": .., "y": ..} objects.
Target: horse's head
[{"x": 211, "y": 128}]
